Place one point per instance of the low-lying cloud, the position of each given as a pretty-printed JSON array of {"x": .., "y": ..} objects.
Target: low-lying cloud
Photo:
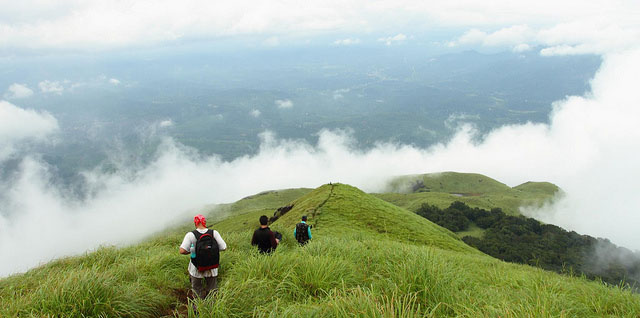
[
  {"x": 17, "y": 91},
  {"x": 396, "y": 39},
  {"x": 284, "y": 103},
  {"x": 165, "y": 123},
  {"x": 19, "y": 126},
  {"x": 590, "y": 148},
  {"x": 577, "y": 37},
  {"x": 347, "y": 42},
  {"x": 51, "y": 87}
]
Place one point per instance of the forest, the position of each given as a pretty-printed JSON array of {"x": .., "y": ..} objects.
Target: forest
[{"x": 519, "y": 239}]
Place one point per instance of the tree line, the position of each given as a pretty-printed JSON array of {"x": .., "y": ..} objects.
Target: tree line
[{"x": 524, "y": 240}]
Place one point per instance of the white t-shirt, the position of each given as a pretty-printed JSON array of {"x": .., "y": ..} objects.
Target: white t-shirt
[{"x": 189, "y": 239}]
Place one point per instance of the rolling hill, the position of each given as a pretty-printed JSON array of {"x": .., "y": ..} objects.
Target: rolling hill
[
  {"x": 368, "y": 258},
  {"x": 476, "y": 190}
]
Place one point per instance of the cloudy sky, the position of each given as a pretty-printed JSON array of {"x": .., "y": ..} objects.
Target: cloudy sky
[
  {"x": 564, "y": 26},
  {"x": 590, "y": 147}
]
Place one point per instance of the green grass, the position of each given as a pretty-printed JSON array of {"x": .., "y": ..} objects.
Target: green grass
[
  {"x": 449, "y": 182},
  {"x": 473, "y": 189},
  {"x": 538, "y": 187},
  {"x": 368, "y": 258},
  {"x": 347, "y": 209},
  {"x": 247, "y": 211}
]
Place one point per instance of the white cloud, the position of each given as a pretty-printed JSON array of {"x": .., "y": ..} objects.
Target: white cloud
[
  {"x": 18, "y": 126},
  {"x": 599, "y": 36},
  {"x": 114, "y": 81},
  {"x": 511, "y": 36},
  {"x": 166, "y": 123},
  {"x": 121, "y": 24},
  {"x": 284, "y": 103},
  {"x": 255, "y": 113},
  {"x": 590, "y": 148},
  {"x": 577, "y": 37},
  {"x": 346, "y": 42},
  {"x": 51, "y": 87},
  {"x": 458, "y": 120},
  {"x": 522, "y": 47},
  {"x": 398, "y": 38},
  {"x": 473, "y": 36},
  {"x": 339, "y": 93},
  {"x": 17, "y": 91}
]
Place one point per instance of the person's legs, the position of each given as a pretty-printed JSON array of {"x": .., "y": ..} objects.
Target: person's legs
[
  {"x": 212, "y": 285},
  {"x": 196, "y": 286}
]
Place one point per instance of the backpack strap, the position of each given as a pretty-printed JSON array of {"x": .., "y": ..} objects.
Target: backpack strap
[
  {"x": 210, "y": 232},
  {"x": 197, "y": 235}
]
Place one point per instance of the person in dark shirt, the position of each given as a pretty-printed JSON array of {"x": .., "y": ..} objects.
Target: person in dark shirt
[{"x": 264, "y": 238}]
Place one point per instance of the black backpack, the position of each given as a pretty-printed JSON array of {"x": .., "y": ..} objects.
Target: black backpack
[
  {"x": 207, "y": 251},
  {"x": 302, "y": 232}
]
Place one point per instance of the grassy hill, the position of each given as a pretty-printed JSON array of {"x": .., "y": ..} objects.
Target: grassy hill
[
  {"x": 368, "y": 258},
  {"x": 476, "y": 190}
]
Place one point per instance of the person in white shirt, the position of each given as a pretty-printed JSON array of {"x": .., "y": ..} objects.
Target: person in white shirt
[{"x": 210, "y": 276}]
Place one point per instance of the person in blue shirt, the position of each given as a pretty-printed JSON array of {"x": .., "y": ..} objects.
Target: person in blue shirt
[{"x": 302, "y": 232}]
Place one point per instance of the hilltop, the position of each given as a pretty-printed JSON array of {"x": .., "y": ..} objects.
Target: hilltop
[
  {"x": 476, "y": 190},
  {"x": 368, "y": 258}
]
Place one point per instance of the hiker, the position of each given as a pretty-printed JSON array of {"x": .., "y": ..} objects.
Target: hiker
[
  {"x": 203, "y": 245},
  {"x": 302, "y": 232},
  {"x": 264, "y": 238}
]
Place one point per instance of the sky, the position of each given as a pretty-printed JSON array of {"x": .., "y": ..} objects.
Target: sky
[
  {"x": 564, "y": 27},
  {"x": 590, "y": 147}
]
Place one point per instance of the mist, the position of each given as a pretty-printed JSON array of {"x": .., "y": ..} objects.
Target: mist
[
  {"x": 590, "y": 148},
  {"x": 19, "y": 127}
]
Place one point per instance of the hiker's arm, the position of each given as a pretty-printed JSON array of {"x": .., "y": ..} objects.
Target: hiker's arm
[
  {"x": 309, "y": 231},
  {"x": 222, "y": 245},
  {"x": 274, "y": 241},
  {"x": 253, "y": 239},
  {"x": 185, "y": 246}
]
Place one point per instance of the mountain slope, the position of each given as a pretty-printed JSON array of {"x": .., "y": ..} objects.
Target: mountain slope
[
  {"x": 368, "y": 258},
  {"x": 338, "y": 207},
  {"x": 476, "y": 190}
]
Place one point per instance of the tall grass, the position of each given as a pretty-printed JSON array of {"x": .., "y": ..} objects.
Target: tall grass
[
  {"x": 346, "y": 276},
  {"x": 350, "y": 269}
]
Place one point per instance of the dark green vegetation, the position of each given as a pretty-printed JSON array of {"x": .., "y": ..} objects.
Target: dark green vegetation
[
  {"x": 368, "y": 258},
  {"x": 476, "y": 190},
  {"x": 525, "y": 240}
]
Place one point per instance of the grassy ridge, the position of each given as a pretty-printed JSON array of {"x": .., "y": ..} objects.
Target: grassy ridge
[
  {"x": 246, "y": 212},
  {"x": 478, "y": 191},
  {"x": 145, "y": 280},
  {"x": 449, "y": 182},
  {"x": 346, "y": 209},
  {"x": 359, "y": 263}
]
